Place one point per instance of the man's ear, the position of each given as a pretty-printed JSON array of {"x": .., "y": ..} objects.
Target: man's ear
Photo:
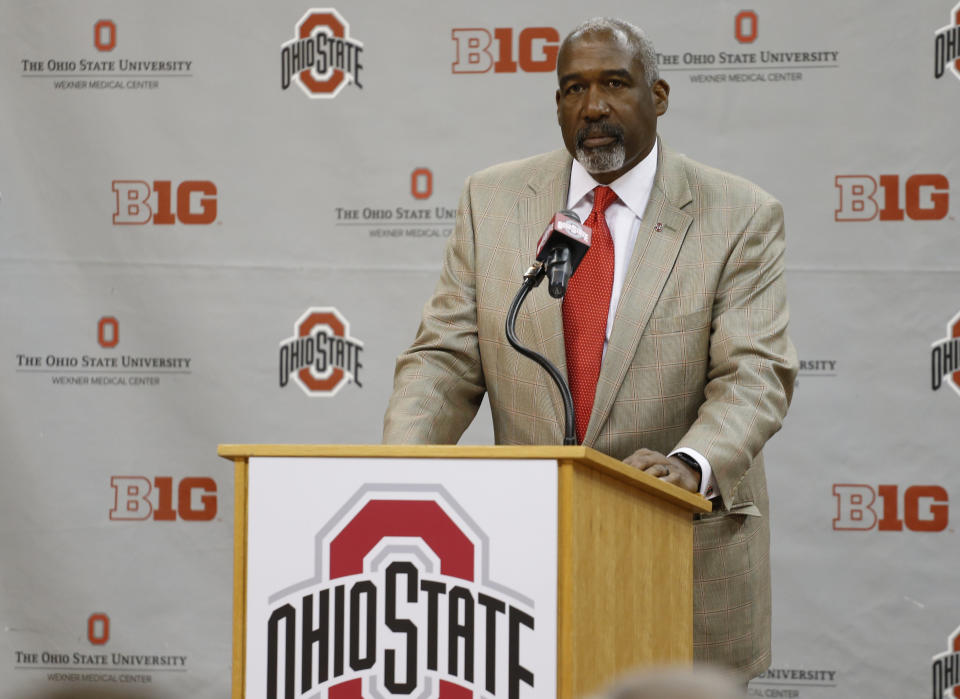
[
  {"x": 660, "y": 91},
  {"x": 558, "y": 104}
]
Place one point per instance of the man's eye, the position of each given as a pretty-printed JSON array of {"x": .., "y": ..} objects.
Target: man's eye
[
  {"x": 573, "y": 89},
  {"x": 615, "y": 82}
]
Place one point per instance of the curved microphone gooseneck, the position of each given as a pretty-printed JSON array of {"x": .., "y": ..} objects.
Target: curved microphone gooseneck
[{"x": 531, "y": 279}]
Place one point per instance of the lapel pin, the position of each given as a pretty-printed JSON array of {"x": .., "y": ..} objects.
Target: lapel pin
[{"x": 658, "y": 227}]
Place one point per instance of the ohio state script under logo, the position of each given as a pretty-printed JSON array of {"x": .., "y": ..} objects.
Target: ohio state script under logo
[{"x": 400, "y": 604}]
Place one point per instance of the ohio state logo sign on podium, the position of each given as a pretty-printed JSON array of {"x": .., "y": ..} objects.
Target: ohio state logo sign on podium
[{"x": 401, "y": 604}]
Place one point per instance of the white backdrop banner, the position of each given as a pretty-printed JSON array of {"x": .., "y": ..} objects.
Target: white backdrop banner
[{"x": 187, "y": 189}]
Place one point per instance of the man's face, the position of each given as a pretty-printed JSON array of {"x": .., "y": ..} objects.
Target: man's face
[{"x": 607, "y": 112}]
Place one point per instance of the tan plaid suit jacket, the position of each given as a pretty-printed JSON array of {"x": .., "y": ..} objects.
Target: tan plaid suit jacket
[{"x": 698, "y": 357}]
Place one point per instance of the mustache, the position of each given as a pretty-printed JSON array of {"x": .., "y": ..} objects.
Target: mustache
[{"x": 599, "y": 130}]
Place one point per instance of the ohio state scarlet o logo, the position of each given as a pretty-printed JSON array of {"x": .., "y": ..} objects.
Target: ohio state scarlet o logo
[
  {"x": 105, "y": 35},
  {"x": 746, "y": 26},
  {"x": 333, "y": 322},
  {"x": 98, "y": 629},
  {"x": 108, "y": 332},
  {"x": 398, "y": 563},
  {"x": 329, "y": 21},
  {"x": 421, "y": 183}
]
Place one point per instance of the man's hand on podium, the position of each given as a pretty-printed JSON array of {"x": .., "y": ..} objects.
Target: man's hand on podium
[{"x": 666, "y": 468}]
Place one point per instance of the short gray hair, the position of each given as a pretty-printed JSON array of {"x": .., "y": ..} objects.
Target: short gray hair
[{"x": 633, "y": 35}]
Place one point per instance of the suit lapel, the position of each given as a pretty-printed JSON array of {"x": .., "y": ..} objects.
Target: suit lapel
[
  {"x": 661, "y": 233},
  {"x": 541, "y": 316}
]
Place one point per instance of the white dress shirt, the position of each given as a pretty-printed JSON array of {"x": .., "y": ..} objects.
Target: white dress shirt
[{"x": 623, "y": 219}]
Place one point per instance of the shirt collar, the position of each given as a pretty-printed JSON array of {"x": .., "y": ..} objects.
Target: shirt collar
[{"x": 632, "y": 187}]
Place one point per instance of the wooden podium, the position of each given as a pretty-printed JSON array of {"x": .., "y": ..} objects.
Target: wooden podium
[{"x": 623, "y": 577}]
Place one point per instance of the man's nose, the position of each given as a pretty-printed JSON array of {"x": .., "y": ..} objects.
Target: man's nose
[{"x": 596, "y": 106}]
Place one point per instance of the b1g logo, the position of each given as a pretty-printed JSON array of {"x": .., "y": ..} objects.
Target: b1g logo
[
  {"x": 926, "y": 198},
  {"x": 196, "y": 202},
  {"x": 136, "y": 498},
  {"x": 925, "y": 508},
  {"x": 400, "y": 605},
  {"x": 321, "y": 357},
  {"x": 321, "y": 58},
  {"x": 478, "y": 51},
  {"x": 945, "y": 357},
  {"x": 946, "y": 669},
  {"x": 946, "y": 46}
]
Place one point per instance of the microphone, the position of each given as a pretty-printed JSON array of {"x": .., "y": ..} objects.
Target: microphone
[{"x": 561, "y": 249}]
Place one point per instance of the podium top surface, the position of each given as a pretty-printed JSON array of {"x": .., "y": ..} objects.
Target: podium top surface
[{"x": 582, "y": 455}]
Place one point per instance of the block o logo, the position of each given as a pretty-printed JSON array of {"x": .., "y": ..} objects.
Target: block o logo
[
  {"x": 105, "y": 35},
  {"x": 108, "y": 332},
  {"x": 421, "y": 183},
  {"x": 98, "y": 629},
  {"x": 400, "y": 575},
  {"x": 746, "y": 26},
  {"x": 328, "y": 381}
]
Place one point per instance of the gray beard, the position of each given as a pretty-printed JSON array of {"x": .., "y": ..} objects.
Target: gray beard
[{"x": 600, "y": 160}]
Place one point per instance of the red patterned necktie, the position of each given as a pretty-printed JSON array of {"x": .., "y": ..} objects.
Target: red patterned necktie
[{"x": 585, "y": 310}]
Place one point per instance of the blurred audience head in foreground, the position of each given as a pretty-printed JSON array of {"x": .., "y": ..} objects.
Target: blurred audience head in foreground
[{"x": 676, "y": 683}]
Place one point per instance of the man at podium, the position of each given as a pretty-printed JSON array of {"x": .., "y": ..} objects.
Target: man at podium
[{"x": 673, "y": 332}]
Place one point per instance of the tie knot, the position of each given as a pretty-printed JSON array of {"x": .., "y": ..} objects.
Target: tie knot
[{"x": 603, "y": 197}]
